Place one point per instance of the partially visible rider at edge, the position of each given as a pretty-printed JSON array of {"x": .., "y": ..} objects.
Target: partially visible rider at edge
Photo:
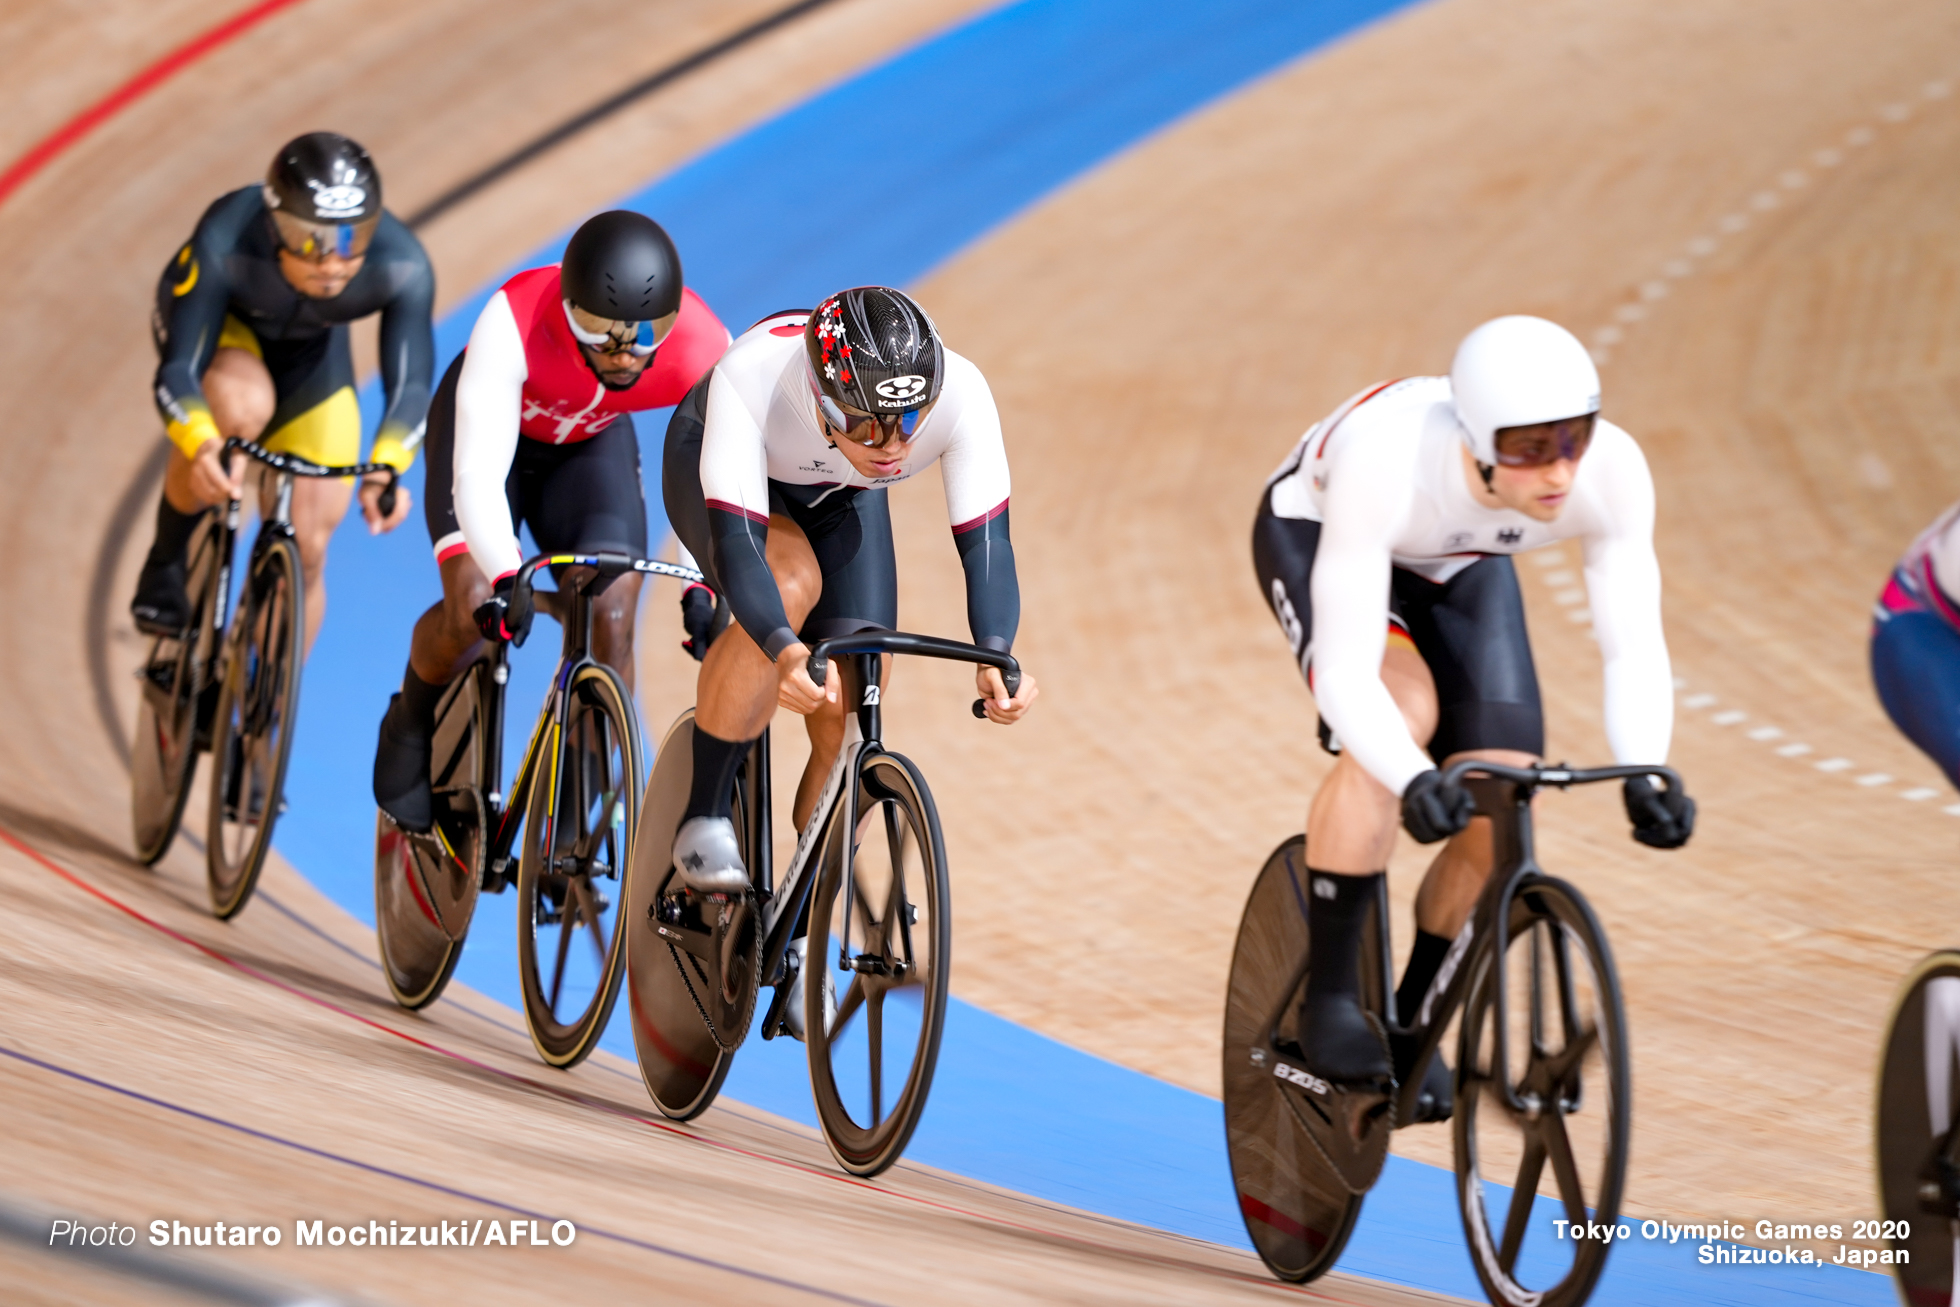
[
  {"x": 1915, "y": 643},
  {"x": 251, "y": 327},
  {"x": 775, "y": 478},
  {"x": 1383, "y": 546},
  {"x": 533, "y": 425}
]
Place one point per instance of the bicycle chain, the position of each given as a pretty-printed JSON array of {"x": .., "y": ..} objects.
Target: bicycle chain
[{"x": 706, "y": 1020}]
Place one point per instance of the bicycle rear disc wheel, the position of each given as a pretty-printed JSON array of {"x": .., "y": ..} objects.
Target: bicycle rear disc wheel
[
  {"x": 426, "y": 886},
  {"x": 881, "y": 941},
  {"x": 163, "y": 753},
  {"x": 252, "y": 730},
  {"x": 578, "y": 841},
  {"x": 1296, "y": 1209},
  {"x": 1918, "y": 1108},
  {"x": 1562, "y": 1154}
]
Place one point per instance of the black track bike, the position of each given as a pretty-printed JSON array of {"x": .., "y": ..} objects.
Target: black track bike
[
  {"x": 1542, "y": 1087},
  {"x": 868, "y": 887},
  {"x": 229, "y": 683},
  {"x": 567, "y": 824},
  {"x": 1918, "y": 1134}
]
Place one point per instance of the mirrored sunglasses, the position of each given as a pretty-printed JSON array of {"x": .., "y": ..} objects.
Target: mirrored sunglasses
[
  {"x": 1544, "y": 443},
  {"x": 316, "y": 242},
  {"x": 613, "y": 336}
]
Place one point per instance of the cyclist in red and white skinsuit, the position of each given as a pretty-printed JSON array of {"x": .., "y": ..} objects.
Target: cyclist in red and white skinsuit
[
  {"x": 532, "y": 425},
  {"x": 1915, "y": 643},
  {"x": 1383, "y": 546}
]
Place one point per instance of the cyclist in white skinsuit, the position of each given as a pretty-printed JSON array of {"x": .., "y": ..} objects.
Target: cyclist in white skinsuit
[{"x": 1382, "y": 545}]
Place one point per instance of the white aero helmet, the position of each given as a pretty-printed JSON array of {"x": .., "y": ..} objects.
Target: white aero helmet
[{"x": 1517, "y": 370}]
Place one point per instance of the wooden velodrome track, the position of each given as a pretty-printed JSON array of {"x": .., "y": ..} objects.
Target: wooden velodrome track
[{"x": 1750, "y": 212}]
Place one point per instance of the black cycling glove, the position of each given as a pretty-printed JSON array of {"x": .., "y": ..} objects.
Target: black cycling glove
[
  {"x": 497, "y": 618},
  {"x": 1662, "y": 819},
  {"x": 697, "y": 619},
  {"x": 1434, "y": 810}
]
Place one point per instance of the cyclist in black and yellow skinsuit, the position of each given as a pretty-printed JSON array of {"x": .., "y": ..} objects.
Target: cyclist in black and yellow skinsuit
[{"x": 252, "y": 329}]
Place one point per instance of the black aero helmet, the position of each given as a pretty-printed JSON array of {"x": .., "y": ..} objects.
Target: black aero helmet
[
  {"x": 324, "y": 196},
  {"x": 874, "y": 353},
  {"x": 622, "y": 267}
]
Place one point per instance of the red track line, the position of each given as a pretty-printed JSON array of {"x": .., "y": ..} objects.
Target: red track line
[
  {"x": 58, "y": 142},
  {"x": 666, "y": 1127}
]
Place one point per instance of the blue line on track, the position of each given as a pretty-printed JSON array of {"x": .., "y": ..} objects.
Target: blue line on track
[{"x": 954, "y": 136}]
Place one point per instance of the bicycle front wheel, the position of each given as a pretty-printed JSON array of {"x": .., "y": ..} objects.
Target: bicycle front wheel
[
  {"x": 163, "y": 753},
  {"x": 1918, "y": 1108},
  {"x": 1544, "y": 1102},
  {"x": 879, "y": 954},
  {"x": 1296, "y": 1208},
  {"x": 578, "y": 841},
  {"x": 252, "y": 729}
]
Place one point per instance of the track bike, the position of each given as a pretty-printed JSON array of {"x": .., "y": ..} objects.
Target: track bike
[
  {"x": 574, "y": 804},
  {"x": 867, "y": 889},
  {"x": 1918, "y": 1144},
  {"x": 229, "y": 683},
  {"x": 1542, "y": 1080}
]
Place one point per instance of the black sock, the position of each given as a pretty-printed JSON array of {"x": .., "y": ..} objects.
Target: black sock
[
  {"x": 715, "y": 762},
  {"x": 173, "y": 533},
  {"x": 419, "y": 700},
  {"x": 1337, "y": 910},
  {"x": 1425, "y": 959}
]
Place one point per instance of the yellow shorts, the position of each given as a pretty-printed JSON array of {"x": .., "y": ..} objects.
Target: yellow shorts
[{"x": 318, "y": 419}]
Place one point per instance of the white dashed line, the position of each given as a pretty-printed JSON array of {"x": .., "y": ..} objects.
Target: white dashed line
[
  {"x": 1729, "y": 718},
  {"x": 1832, "y": 764},
  {"x": 1919, "y": 795},
  {"x": 1793, "y": 751},
  {"x": 1698, "y": 701},
  {"x": 1766, "y": 733},
  {"x": 1872, "y": 780}
]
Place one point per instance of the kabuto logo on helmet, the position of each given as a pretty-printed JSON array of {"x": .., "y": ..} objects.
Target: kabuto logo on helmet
[
  {"x": 902, "y": 388},
  {"x": 332, "y": 201}
]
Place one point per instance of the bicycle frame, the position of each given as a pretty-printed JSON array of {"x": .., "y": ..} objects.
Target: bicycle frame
[
  {"x": 1504, "y": 795},
  {"x": 782, "y": 909},
  {"x": 504, "y": 812}
]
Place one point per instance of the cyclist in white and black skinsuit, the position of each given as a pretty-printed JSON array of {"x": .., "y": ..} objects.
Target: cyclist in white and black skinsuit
[
  {"x": 775, "y": 474},
  {"x": 1382, "y": 545}
]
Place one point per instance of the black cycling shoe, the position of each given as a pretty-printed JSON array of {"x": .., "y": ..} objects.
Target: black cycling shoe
[
  {"x": 401, "y": 772},
  {"x": 161, "y": 606},
  {"x": 1343, "y": 1044},
  {"x": 1435, "y": 1100}
]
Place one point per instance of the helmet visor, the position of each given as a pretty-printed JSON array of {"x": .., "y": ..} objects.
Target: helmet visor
[
  {"x": 873, "y": 429},
  {"x": 1543, "y": 443},
  {"x": 613, "y": 336},
  {"x": 316, "y": 242}
]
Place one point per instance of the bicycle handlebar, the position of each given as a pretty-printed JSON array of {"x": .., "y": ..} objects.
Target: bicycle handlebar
[
  {"x": 301, "y": 467},
  {"x": 1561, "y": 777},
  {"x": 924, "y": 646}
]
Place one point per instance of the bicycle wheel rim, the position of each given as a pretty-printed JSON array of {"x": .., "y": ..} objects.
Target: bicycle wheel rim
[
  {"x": 580, "y": 817},
  {"x": 867, "y": 1113},
  {"x": 163, "y": 749},
  {"x": 252, "y": 732},
  {"x": 1918, "y": 1105},
  {"x": 1296, "y": 1211},
  {"x": 1516, "y": 1173}
]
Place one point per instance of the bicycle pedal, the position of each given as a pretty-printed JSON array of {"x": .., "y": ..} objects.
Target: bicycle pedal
[{"x": 1348, "y": 1124}]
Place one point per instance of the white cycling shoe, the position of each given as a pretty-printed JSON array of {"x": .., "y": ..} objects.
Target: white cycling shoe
[
  {"x": 709, "y": 858},
  {"x": 796, "y": 1010}
]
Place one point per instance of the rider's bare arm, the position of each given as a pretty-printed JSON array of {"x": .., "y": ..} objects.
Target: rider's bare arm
[{"x": 489, "y": 399}]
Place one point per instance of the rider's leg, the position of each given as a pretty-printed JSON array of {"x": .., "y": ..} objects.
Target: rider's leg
[
  {"x": 318, "y": 507},
  {"x": 614, "y": 615},
  {"x": 1350, "y": 833},
  {"x": 240, "y": 393}
]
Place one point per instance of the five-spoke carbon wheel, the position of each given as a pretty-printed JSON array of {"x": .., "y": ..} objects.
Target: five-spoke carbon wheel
[
  {"x": 252, "y": 729},
  {"x": 1295, "y": 1207},
  {"x": 163, "y": 754},
  {"x": 1543, "y": 1100},
  {"x": 878, "y": 957},
  {"x": 583, "y": 809}
]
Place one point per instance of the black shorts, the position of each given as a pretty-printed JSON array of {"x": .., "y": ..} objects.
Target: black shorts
[
  {"x": 1469, "y": 629},
  {"x": 580, "y": 497},
  {"x": 850, "y": 532}
]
